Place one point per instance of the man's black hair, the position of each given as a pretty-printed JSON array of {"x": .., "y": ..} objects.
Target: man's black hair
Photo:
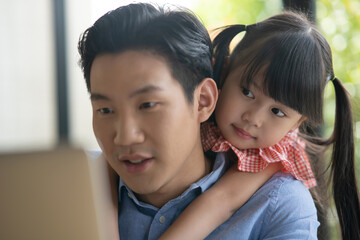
[{"x": 177, "y": 35}]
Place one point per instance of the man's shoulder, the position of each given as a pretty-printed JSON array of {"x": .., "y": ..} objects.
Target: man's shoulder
[
  {"x": 283, "y": 194},
  {"x": 285, "y": 185},
  {"x": 282, "y": 206}
]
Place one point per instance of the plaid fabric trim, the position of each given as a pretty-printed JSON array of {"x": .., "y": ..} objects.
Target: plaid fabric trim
[{"x": 289, "y": 151}]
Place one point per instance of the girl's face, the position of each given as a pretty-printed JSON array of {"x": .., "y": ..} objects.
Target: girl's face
[{"x": 248, "y": 118}]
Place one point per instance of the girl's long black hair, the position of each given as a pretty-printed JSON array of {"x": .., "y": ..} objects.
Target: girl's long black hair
[{"x": 298, "y": 65}]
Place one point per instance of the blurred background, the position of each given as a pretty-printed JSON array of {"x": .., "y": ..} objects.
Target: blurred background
[{"x": 43, "y": 97}]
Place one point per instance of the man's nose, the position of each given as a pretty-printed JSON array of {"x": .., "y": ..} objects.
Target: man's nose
[{"x": 128, "y": 132}]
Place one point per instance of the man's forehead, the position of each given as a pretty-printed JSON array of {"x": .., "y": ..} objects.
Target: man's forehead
[
  {"x": 130, "y": 74},
  {"x": 129, "y": 66}
]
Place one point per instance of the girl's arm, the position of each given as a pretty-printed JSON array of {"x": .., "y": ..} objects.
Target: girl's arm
[{"x": 216, "y": 205}]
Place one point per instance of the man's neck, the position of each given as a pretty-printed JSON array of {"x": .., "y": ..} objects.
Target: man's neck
[{"x": 161, "y": 197}]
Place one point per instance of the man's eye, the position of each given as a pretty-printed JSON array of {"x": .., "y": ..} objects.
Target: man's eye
[
  {"x": 278, "y": 112},
  {"x": 105, "y": 111},
  {"x": 247, "y": 93},
  {"x": 147, "y": 105}
]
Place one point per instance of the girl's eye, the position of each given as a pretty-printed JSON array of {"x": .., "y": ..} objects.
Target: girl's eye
[
  {"x": 278, "y": 112},
  {"x": 105, "y": 111},
  {"x": 247, "y": 93},
  {"x": 147, "y": 105}
]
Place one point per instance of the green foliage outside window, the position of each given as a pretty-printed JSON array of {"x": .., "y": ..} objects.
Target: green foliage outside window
[{"x": 338, "y": 20}]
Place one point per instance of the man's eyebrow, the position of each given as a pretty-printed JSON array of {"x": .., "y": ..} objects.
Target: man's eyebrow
[
  {"x": 146, "y": 89},
  {"x": 98, "y": 96}
]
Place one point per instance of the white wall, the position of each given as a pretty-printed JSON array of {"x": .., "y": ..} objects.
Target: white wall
[
  {"x": 27, "y": 114},
  {"x": 27, "y": 72}
]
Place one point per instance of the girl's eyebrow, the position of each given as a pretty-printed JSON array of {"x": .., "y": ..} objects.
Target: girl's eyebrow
[{"x": 255, "y": 85}]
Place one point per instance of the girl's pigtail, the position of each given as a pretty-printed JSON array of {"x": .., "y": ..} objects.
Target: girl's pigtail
[
  {"x": 343, "y": 174},
  {"x": 221, "y": 48}
]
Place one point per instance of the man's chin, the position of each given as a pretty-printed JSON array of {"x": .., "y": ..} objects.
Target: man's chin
[{"x": 143, "y": 187}]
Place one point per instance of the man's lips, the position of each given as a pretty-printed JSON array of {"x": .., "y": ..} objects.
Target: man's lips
[
  {"x": 134, "y": 158},
  {"x": 136, "y": 163},
  {"x": 242, "y": 133}
]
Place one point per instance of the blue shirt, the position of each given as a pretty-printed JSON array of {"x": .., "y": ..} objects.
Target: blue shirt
[{"x": 281, "y": 209}]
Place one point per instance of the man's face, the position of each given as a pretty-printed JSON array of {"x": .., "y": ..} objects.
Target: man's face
[{"x": 146, "y": 128}]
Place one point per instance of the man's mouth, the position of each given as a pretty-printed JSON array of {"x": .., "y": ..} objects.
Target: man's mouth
[
  {"x": 134, "y": 158},
  {"x": 136, "y": 163}
]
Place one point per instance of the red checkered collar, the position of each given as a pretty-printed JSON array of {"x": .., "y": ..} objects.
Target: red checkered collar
[{"x": 289, "y": 151}]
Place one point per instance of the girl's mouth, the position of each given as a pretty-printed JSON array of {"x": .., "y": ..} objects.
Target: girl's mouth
[{"x": 243, "y": 134}]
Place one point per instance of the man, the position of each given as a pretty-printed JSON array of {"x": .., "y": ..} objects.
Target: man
[{"x": 148, "y": 71}]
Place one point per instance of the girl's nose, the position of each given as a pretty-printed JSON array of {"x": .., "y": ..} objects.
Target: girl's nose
[{"x": 254, "y": 116}]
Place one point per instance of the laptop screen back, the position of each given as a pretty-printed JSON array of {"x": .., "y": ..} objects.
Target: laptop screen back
[{"x": 47, "y": 195}]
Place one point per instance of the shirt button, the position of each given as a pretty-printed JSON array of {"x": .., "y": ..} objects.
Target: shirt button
[{"x": 162, "y": 219}]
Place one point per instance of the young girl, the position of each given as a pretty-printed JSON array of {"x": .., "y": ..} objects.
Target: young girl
[{"x": 271, "y": 84}]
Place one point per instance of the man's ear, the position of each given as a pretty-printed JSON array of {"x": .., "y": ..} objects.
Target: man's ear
[{"x": 206, "y": 97}]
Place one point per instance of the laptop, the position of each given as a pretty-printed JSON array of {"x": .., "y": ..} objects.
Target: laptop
[{"x": 59, "y": 194}]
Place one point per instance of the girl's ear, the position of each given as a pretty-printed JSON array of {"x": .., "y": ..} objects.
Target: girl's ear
[
  {"x": 301, "y": 120},
  {"x": 206, "y": 97}
]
